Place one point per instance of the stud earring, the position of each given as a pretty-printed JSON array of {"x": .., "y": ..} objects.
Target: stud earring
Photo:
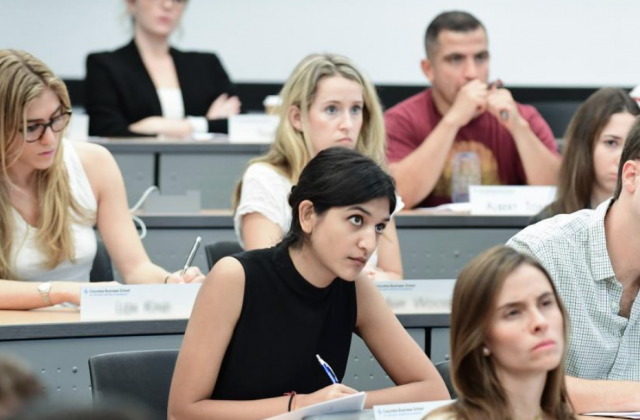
[{"x": 486, "y": 352}]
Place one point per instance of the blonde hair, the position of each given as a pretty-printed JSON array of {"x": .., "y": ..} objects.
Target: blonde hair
[
  {"x": 291, "y": 149},
  {"x": 480, "y": 393},
  {"x": 23, "y": 78}
]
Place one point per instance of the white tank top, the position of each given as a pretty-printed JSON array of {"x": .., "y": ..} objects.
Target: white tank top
[{"x": 29, "y": 260}]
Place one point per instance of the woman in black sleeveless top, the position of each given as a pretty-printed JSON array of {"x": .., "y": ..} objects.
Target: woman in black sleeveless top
[{"x": 262, "y": 316}]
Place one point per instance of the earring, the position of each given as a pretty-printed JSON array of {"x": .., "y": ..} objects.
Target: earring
[{"x": 486, "y": 352}]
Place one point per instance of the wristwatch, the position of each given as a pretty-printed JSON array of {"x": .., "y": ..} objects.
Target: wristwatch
[{"x": 45, "y": 289}]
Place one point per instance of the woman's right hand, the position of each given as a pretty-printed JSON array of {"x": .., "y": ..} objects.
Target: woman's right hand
[{"x": 330, "y": 392}]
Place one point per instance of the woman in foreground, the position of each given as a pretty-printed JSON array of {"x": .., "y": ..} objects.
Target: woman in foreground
[
  {"x": 262, "y": 316},
  {"x": 508, "y": 335}
]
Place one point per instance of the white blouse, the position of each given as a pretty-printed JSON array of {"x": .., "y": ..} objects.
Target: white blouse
[
  {"x": 171, "y": 102},
  {"x": 29, "y": 261},
  {"x": 266, "y": 191}
]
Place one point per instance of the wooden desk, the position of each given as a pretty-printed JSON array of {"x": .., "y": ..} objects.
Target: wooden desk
[
  {"x": 39, "y": 316},
  {"x": 58, "y": 346}
]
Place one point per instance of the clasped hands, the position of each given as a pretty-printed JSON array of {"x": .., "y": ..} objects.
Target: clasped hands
[{"x": 477, "y": 97}]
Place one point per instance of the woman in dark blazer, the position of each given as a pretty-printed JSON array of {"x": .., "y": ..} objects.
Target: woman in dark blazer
[{"x": 149, "y": 88}]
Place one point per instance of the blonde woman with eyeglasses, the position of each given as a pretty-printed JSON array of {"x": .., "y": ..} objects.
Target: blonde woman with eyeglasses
[
  {"x": 52, "y": 194},
  {"x": 150, "y": 88}
]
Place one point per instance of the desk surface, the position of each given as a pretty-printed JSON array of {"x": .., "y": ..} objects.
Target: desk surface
[
  {"x": 219, "y": 144},
  {"x": 65, "y": 323},
  {"x": 405, "y": 220}
]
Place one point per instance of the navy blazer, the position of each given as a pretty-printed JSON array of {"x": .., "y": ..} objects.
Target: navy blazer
[{"x": 119, "y": 90}]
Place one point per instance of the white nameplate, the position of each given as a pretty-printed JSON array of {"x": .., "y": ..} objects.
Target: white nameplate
[
  {"x": 137, "y": 302},
  {"x": 418, "y": 296},
  {"x": 409, "y": 411},
  {"x": 509, "y": 200},
  {"x": 253, "y": 128}
]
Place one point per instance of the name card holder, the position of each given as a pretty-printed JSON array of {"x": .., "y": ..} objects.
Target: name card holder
[
  {"x": 509, "y": 200},
  {"x": 418, "y": 296},
  {"x": 137, "y": 302},
  {"x": 408, "y": 411},
  {"x": 253, "y": 128}
]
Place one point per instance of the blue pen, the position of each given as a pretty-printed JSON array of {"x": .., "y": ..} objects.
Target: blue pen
[{"x": 328, "y": 369}]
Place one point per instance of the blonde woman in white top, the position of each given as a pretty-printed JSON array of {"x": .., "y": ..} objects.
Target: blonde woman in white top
[
  {"x": 326, "y": 102},
  {"x": 53, "y": 192}
]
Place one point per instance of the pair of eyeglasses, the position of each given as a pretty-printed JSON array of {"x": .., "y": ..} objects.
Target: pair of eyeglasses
[{"x": 35, "y": 132}]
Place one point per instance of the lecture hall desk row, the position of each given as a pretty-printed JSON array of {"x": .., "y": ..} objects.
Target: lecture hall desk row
[
  {"x": 58, "y": 346},
  {"x": 432, "y": 246}
]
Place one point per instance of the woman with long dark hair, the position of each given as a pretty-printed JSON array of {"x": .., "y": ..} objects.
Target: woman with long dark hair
[
  {"x": 593, "y": 144},
  {"x": 262, "y": 316}
]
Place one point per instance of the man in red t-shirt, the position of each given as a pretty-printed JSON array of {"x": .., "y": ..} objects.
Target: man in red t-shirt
[{"x": 461, "y": 113}]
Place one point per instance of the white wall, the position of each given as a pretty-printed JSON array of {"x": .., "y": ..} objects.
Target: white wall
[{"x": 533, "y": 43}]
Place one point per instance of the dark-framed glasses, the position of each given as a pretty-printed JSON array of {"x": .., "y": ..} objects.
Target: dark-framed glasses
[{"x": 35, "y": 131}]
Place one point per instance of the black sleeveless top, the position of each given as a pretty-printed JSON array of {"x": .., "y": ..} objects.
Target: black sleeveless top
[{"x": 285, "y": 321}]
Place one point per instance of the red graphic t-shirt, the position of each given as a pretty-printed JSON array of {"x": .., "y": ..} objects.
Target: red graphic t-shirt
[{"x": 411, "y": 121}]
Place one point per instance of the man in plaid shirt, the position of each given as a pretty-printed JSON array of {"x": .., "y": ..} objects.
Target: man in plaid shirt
[{"x": 593, "y": 257}]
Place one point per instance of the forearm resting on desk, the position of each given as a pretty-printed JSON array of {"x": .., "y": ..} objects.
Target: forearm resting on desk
[
  {"x": 15, "y": 294},
  {"x": 145, "y": 273},
  {"x": 589, "y": 395},
  {"x": 230, "y": 410}
]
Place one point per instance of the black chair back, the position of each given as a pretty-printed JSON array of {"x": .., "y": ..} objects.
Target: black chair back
[
  {"x": 141, "y": 376},
  {"x": 102, "y": 270},
  {"x": 218, "y": 250},
  {"x": 444, "y": 371}
]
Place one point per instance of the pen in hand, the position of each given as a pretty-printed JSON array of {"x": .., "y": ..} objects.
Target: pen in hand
[
  {"x": 328, "y": 370},
  {"x": 191, "y": 256}
]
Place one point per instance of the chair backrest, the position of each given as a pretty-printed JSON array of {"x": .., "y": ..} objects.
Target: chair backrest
[
  {"x": 101, "y": 270},
  {"x": 141, "y": 376},
  {"x": 444, "y": 371},
  {"x": 219, "y": 250}
]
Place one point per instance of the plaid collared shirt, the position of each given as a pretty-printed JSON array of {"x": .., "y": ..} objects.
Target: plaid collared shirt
[{"x": 573, "y": 249}]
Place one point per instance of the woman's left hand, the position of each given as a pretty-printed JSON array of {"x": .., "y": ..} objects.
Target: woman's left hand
[{"x": 192, "y": 275}]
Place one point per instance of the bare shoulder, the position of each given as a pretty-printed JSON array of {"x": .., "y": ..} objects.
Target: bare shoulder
[
  {"x": 91, "y": 153},
  {"x": 226, "y": 276},
  {"x": 99, "y": 165},
  {"x": 372, "y": 306},
  {"x": 365, "y": 287}
]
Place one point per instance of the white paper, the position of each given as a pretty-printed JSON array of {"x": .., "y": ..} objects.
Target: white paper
[
  {"x": 409, "y": 411},
  {"x": 253, "y": 128},
  {"x": 353, "y": 402},
  {"x": 619, "y": 414},
  {"x": 418, "y": 296},
  {"x": 509, "y": 200},
  {"x": 137, "y": 302},
  {"x": 454, "y": 208}
]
